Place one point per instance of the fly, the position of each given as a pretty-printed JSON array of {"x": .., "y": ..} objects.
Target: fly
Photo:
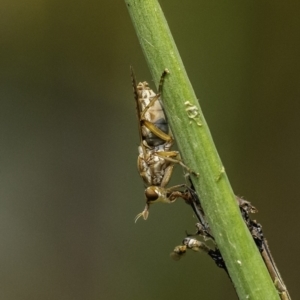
[
  {"x": 195, "y": 245},
  {"x": 156, "y": 160}
]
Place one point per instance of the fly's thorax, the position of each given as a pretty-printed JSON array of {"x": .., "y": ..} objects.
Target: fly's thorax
[
  {"x": 157, "y": 167},
  {"x": 155, "y": 172},
  {"x": 158, "y": 178},
  {"x": 151, "y": 167}
]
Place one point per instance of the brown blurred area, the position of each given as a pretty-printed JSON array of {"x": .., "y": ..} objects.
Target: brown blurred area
[{"x": 68, "y": 145}]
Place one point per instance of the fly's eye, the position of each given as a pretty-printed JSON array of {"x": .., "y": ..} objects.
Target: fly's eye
[{"x": 151, "y": 194}]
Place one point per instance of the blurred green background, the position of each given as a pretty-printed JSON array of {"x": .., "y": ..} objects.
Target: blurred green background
[{"x": 68, "y": 135}]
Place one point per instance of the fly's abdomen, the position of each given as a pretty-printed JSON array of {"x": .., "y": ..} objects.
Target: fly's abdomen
[{"x": 155, "y": 127}]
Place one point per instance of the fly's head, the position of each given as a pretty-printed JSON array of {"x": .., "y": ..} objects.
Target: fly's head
[{"x": 155, "y": 194}]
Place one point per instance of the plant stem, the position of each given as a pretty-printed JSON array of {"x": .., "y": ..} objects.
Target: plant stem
[{"x": 245, "y": 265}]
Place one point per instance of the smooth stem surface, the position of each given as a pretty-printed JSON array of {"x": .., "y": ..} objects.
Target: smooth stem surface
[{"x": 245, "y": 265}]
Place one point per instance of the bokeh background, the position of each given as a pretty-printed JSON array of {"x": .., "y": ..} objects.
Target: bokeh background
[{"x": 68, "y": 145}]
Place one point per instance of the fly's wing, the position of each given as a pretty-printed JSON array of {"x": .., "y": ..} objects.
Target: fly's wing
[
  {"x": 137, "y": 107},
  {"x": 134, "y": 85},
  {"x": 136, "y": 96}
]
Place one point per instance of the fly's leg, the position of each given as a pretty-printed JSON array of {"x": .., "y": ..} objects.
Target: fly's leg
[
  {"x": 173, "y": 157},
  {"x": 167, "y": 176},
  {"x": 177, "y": 161},
  {"x": 158, "y": 132}
]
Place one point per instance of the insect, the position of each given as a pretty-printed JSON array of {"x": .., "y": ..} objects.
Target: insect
[
  {"x": 191, "y": 198},
  {"x": 156, "y": 160},
  {"x": 188, "y": 243},
  {"x": 195, "y": 245}
]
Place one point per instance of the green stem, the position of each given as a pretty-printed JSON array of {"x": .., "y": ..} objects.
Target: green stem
[{"x": 245, "y": 265}]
